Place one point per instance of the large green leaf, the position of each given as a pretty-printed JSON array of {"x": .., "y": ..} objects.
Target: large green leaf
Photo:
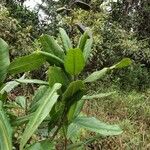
[
  {"x": 48, "y": 101},
  {"x": 52, "y": 59},
  {"x": 96, "y": 75},
  {"x": 73, "y": 88},
  {"x": 65, "y": 39},
  {"x": 26, "y": 63},
  {"x": 92, "y": 124},
  {"x": 71, "y": 96},
  {"x": 50, "y": 45},
  {"x": 4, "y": 60},
  {"x": 83, "y": 40},
  {"x": 123, "y": 63},
  {"x": 74, "y": 61},
  {"x": 5, "y": 131},
  {"x": 99, "y": 74},
  {"x": 87, "y": 48},
  {"x": 57, "y": 75}
]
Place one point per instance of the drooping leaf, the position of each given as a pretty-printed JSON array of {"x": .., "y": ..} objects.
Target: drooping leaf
[
  {"x": 5, "y": 131},
  {"x": 101, "y": 95},
  {"x": 50, "y": 45},
  {"x": 52, "y": 59},
  {"x": 30, "y": 81},
  {"x": 74, "y": 61},
  {"x": 96, "y": 75},
  {"x": 10, "y": 86},
  {"x": 57, "y": 75},
  {"x": 26, "y": 63},
  {"x": 65, "y": 39},
  {"x": 92, "y": 124},
  {"x": 48, "y": 101},
  {"x": 4, "y": 60},
  {"x": 123, "y": 63}
]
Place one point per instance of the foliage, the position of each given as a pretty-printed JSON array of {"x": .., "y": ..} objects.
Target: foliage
[
  {"x": 132, "y": 15},
  {"x": 120, "y": 29},
  {"x": 114, "y": 38},
  {"x": 24, "y": 16},
  {"x": 52, "y": 19},
  {"x": 111, "y": 41},
  {"x": 56, "y": 105},
  {"x": 135, "y": 77},
  {"x": 19, "y": 38}
]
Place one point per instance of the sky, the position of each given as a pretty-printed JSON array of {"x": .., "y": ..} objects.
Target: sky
[{"x": 32, "y": 3}]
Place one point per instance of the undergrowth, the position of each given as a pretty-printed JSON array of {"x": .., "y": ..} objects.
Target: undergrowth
[{"x": 130, "y": 109}]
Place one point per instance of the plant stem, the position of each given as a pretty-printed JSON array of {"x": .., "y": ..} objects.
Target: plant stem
[
  {"x": 60, "y": 124},
  {"x": 65, "y": 143},
  {"x": 65, "y": 140},
  {"x": 26, "y": 106},
  {"x": 55, "y": 133}
]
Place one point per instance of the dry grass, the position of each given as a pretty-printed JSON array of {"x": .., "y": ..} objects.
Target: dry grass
[{"x": 132, "y": 111}]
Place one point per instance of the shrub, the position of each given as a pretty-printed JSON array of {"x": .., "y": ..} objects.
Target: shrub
[
  {"x": 58, "y": 101},
  {"x": 136, "y": 77}
]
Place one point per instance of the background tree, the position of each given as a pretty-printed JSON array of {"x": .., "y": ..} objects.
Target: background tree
[{"x": 18, "y": 37}]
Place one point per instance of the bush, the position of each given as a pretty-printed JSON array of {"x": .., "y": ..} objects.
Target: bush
[
  {"x": 58, "y": 102},
  {"x": 136, "y": 77}
]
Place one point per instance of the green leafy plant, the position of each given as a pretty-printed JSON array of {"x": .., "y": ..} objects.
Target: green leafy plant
[{"x": 57, "y": 104}]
